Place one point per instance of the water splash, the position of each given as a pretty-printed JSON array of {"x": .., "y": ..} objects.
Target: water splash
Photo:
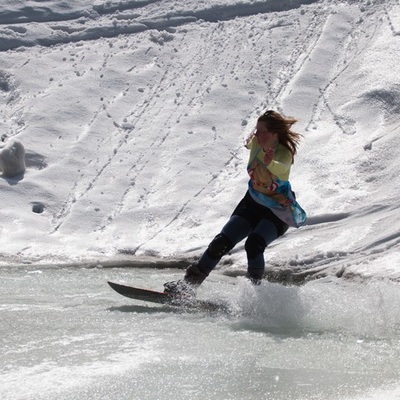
[{"x": 368, "y": 310}]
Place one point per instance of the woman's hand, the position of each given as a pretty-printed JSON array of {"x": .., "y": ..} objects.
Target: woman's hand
[{"x": 269, "y": 155}]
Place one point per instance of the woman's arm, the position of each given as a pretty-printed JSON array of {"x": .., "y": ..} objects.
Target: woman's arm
[{"x": 278, "y": 162}]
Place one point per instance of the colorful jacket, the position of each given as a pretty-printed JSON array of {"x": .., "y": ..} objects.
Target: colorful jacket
[{"x": 269, "y": 184}]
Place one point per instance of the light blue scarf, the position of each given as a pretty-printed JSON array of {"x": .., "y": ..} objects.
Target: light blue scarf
[{"x": 292, "y": 213}]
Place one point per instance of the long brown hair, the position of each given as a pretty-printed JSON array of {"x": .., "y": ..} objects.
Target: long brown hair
[{"x": 281, "y": 125}]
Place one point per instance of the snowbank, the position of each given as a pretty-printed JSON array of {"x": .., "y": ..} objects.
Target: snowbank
[{"x": 133, "y": 116}]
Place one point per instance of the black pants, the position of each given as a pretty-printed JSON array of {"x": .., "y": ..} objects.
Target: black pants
[{"x": 254, "y": 221}]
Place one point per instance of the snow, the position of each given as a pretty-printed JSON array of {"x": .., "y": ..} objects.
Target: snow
[
  {"x": 133, "y": 116},
  {"x": 12, "y": 159}
]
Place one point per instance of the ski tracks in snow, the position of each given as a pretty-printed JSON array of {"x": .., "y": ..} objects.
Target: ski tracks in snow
[
  {"x": 182, "y": 74},
  {"x": 205, "y": 77},
  {"x": 54, "y": 24}
]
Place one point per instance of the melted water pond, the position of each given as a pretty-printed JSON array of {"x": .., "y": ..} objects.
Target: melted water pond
[{"x": 66, "y": 335}]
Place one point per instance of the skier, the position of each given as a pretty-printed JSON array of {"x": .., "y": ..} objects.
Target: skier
[{"x": 265, "y": 213}]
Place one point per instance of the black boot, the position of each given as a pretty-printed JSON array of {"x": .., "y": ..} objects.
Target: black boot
[
  {"x": 194, "y": 276},
  {"x": 185, "y": 289},
  {"x": 254, "y": 281},
  {"x": 180, "y": 290},
  {"x": 255, "y": 276}
]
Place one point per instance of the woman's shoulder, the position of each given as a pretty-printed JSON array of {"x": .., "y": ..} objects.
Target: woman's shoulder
[
  {"x": 283, "y": 152},
  {"x": 283, "y": 149}
]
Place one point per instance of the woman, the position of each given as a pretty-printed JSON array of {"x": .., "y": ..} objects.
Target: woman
[{"x": 266, "y": 211}]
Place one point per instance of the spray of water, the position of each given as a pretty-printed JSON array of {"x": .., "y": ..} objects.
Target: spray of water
[{"x": 368, "y": 310}]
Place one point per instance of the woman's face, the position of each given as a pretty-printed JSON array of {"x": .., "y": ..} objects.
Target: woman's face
[{"x": 265, "y": 137}]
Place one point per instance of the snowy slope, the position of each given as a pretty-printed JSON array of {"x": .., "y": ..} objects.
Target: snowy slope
[{"x": 133, "y": 116}]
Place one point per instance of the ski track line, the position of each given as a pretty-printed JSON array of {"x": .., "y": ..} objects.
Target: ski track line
[
  {"x": 342, "y": 261},
  {"x": 393, "y": 18},
  {"x": 299, "y": 57},
  {"x": 202, "y": 91},
  {"x": 173, "y": 115},
  {"x": 111, "y": 11},
  {"x": 87, "y": 183},
  {"x": 298, "y": 65},
  {"x": 349, "y": 54},
  {"x": 82, "y": 186},
  {"x": 390, "y": 241},
  {"x": 182, "y": 209},
  {"x": 143, "y": 160},
  {"x": 320, "y": 44}
]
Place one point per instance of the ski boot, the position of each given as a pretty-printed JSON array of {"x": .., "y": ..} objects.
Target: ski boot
[
  {"x": 180, "y": 291},
  {"x": 255, "y": 279},
  {"x": 185, "y": 289}
]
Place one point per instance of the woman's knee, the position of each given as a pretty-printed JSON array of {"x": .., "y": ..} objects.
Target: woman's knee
[
  {"x": 255, "y": 245},
  {"x": 219, "y": 246}
]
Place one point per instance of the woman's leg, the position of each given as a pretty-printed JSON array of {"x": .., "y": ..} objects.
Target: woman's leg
[
  {"x": 264, "y": 234},
  {"x": 232, "y": 233}
]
